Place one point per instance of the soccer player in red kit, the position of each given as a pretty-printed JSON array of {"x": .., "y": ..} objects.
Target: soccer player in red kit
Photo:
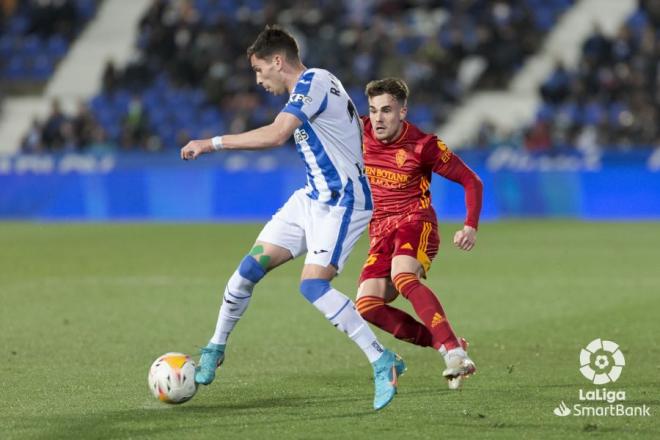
[{"x": 399, "y": 161}]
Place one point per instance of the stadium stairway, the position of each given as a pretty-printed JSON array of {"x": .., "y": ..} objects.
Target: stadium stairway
[
  {"x": 517, "y": 106},
  {"x": 111, "y": 35}
]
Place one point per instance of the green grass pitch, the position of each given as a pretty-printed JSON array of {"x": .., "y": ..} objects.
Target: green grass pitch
[{"x": 86, "y": 308}]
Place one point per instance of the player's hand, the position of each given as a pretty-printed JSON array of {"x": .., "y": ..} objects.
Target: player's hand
[
  {"x": 465, "y": 238},
  {"x": 195, "y": 148}
]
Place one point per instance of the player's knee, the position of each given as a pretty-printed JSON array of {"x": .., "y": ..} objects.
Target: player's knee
[
  {"x": 314, "y": 288},
  {"x": 259, "y": 253},
  {"x": 250, "y": 269}
]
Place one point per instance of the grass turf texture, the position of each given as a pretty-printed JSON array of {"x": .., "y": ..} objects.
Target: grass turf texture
[{"x": 86, "y": 308}]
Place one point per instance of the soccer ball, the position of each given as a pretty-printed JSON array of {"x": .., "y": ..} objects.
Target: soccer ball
[{"x": 172, "y": 378}]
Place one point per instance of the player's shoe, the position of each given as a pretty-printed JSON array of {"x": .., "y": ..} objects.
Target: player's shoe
[
  {"x": 459, "y": 366},
  {"x": 387, "y": 370},
  {"x": 213, "y": 355}
]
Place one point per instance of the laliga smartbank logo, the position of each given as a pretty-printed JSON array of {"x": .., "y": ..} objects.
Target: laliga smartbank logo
[{"x": 601, "y": 362}]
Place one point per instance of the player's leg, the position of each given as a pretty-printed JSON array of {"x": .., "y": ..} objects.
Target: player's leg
[
  {"x": 262, "y": 257},
  {"x": 332, "y": 232},
  {"x": 340, "y": 311},
  {"x": 416, "y": 245},
  {"x": 279, "y": 241},
  {"x": 376, "y": 291},
  {"x": 253, "y": 267},
  {"x": 338, "y": 308},
  {"x": 374, "y": 296},
  {"x": 407, "y": 273}
]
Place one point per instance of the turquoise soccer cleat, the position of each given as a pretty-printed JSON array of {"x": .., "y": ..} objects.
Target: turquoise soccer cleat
[
  {"x": 387, "y": 370},
  {"x": 213, "y": 355}
]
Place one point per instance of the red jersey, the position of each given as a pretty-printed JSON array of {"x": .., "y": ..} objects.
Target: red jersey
[{"x": 400, "y": 177}]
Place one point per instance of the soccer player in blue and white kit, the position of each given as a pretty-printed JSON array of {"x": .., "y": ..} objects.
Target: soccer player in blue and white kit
[{"x": 323, "y": 220}]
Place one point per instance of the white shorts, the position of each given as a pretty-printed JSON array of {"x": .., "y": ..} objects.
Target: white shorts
[{"x": 327, "y": 233}]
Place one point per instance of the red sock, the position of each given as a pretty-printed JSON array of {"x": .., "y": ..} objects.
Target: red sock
[
  {"x": 428, "y": 308},
  {"x": 394, "y": 321}
]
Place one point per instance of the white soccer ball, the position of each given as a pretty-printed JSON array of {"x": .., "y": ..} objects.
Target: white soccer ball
[{"x": 172, "y": 378}]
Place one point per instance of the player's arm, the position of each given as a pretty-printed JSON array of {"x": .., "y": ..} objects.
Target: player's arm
[
  {"x": 271, "y": 135},
  {"x": 448, "y": 165}
]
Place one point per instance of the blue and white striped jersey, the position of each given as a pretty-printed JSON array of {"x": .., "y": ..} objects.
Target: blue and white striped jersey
[{"x": 329, "y": 140}]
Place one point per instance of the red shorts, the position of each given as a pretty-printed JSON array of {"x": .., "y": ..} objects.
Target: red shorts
[{"x": 418, "y": 239}]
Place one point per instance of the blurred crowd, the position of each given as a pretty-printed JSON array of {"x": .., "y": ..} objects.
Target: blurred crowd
[
  {"x": 35, "y": 35},
  {"x": 80, "y": 131},
  {"x": 192, "y": 55},
  {"x": 610, "y": 100},
  {"x": 190, "y": 77}
]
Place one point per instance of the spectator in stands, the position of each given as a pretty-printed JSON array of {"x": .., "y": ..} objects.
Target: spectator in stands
[
  {"x": 538, "y": 138},
  {"x": 188, "y": 46},
  {"x": 199, "y": 48},
  {"x": 652, "y": 9},
  {"x": 110, "y": 80},
  {"x": 557, "y": 87},
  {"x": 99, "y": 142},
  {"x": 135, "y": 128},
  {"x": 52, "y": 135},
  {"x": 32, "y": 142},
  {"x": 612, "y": 98},
  {"x": 49, "y": 17},
  {"x": 83, "y": 126},
  {"x": 597, "y": 48},
  {"x": 62, "y": 133},
  {"x": 69, "y": 140}
]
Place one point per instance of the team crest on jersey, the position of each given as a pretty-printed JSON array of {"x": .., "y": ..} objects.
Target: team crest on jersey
[{"x": 401, "y": 156}]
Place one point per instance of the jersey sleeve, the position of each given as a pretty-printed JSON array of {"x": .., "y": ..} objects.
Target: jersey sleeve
[
  {"x": 445, "y": 163},
  {"x": 309, "y": 97}
]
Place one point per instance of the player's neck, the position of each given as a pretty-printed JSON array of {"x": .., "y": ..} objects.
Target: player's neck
[{"x": 293, "y": 76}]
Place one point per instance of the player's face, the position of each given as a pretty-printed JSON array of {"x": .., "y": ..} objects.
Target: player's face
[
  {"x": 269, "y": 73},
  {"x": 386, "y": 115}
]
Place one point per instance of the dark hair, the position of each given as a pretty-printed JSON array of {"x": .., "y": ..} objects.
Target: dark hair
[
  {"x": 393, "y": 86},
  {"x": 274, "y": 39}
]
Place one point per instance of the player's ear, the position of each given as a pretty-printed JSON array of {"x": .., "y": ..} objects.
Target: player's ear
[
  {"x": 277, "y": 61},
  {"x": 403, "y": 112}
]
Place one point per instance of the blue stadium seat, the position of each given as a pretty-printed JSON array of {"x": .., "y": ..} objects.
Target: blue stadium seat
[
  {"x": 43, "y": 67},
  {"x": 7, "y": 46},
  {"x": 18, "y": 25},
  {"x": 57, "y": 46},
  {"x": 16, "y": 69},
  {"x": 31, "y": 46},
  {"x": 546, "y": 112}
]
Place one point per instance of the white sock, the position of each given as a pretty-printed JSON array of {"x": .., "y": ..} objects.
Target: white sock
[
  {"x": 340, "y": 311},
  {"x": 234, "y": 303}
]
